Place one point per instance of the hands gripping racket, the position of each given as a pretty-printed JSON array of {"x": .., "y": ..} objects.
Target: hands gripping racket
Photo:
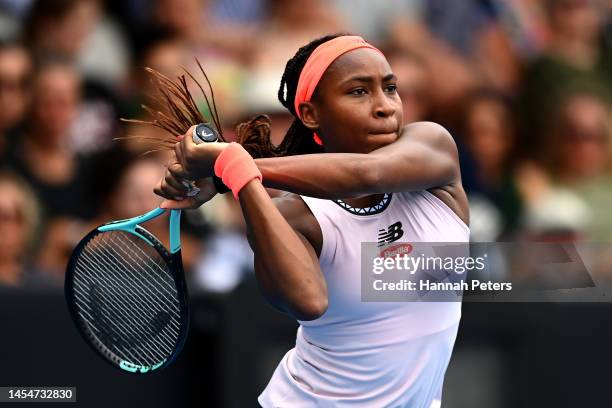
[{"x": 126, "y": 292}]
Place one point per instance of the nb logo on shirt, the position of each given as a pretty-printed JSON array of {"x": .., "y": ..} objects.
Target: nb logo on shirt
[{"x": 391, "y": 234}]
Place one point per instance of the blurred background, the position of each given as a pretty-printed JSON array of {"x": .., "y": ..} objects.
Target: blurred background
[{"x": 524, "y": 86}]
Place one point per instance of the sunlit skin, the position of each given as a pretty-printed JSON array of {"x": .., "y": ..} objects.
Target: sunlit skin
[{"x": 357, "y": 113}]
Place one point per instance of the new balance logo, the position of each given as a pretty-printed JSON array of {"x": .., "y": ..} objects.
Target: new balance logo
[{"x": 391, "y": 234}]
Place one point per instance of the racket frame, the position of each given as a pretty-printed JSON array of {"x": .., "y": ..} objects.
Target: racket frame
[{"x": 172, "y": 258}]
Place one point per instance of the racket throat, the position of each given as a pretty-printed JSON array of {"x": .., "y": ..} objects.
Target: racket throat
[{"x": 175, "y": 231}]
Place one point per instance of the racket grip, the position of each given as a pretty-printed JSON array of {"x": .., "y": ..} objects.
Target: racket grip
[{"x": 203, "y": 133}]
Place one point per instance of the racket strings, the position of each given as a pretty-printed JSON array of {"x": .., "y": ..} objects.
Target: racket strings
[
  {"x": 125, "y": 294},
  {"x": 116, "y": 334},
  {"x": 122, "y": 337}
]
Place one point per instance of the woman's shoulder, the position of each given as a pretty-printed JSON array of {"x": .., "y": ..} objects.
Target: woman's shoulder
[
  {"x": 430, "y": 134},
  {"x": 431, "y": 131}
]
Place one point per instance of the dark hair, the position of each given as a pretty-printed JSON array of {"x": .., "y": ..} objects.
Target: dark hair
[{"x": 254, "y": 134}]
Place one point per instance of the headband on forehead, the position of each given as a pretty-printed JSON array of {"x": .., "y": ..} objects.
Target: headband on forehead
[{"x": 318, "y": 62}]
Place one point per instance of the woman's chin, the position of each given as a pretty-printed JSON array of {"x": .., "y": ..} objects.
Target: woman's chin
[{"x": 376, "y": 141}]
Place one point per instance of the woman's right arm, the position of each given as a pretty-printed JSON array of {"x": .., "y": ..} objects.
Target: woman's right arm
[{"x": 286, "y": 263}]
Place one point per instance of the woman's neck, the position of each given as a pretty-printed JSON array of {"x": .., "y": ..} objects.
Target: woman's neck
[{"x": 363, "y": 202}]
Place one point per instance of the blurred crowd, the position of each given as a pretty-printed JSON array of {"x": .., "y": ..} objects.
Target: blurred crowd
[{"x": 524, "y": 86}]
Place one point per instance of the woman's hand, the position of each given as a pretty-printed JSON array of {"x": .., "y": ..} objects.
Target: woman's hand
[
  {"x": 206, "y": 191},
  {"x": 195, "y": 161}
]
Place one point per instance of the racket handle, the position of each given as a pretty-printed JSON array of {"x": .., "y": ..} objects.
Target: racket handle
[{"x": 202, "y": 133}]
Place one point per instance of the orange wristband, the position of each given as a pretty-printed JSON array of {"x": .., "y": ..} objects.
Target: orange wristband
[{"x": 236, "y": 167}]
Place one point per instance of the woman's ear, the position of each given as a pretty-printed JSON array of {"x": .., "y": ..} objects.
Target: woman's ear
[{"x": 309, "y": 115}]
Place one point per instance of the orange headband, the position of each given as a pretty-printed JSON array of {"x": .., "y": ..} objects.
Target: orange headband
[{"x": 318, "y": 62}]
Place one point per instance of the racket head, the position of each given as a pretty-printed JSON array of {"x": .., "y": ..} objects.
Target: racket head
[{"x": 127, "y": 296}]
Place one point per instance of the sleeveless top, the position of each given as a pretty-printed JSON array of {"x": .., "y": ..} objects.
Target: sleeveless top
[{"x": 370, "y": 354}]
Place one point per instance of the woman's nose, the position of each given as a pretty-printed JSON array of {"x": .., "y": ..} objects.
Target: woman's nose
[{"x": 384, "y": 107}]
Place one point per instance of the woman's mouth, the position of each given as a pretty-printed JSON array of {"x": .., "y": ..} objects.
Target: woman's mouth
[{"x": 384, "y": 133}]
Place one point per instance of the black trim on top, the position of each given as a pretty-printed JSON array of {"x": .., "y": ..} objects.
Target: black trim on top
[{"x": 375, "y": 209}]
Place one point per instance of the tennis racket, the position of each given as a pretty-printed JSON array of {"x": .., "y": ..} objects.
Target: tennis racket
[{"x": 126, "y": 292}]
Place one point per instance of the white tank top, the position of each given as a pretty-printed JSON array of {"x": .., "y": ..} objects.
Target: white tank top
[{"x": 370, "y": 354}]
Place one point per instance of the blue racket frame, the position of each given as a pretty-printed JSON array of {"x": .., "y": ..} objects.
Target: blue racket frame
[
  {"x": 172, "y": 257},
  {"x": 130, "y": 225}
]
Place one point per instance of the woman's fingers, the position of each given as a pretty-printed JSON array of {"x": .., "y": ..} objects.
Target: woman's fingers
[
  {"x": 187, "y": 203},
  {"x": 179, "y": 172},
  {"x": 177, "y": 183},
  {"x": 165, "y": 190},
  {"x": 180, "y": 154},
  {"x": 206, "y": 191}
]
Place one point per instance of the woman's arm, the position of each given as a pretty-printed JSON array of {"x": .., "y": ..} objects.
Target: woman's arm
[
  {"x": 286, "y": 264},
  {"x": 424, "y": 156}
]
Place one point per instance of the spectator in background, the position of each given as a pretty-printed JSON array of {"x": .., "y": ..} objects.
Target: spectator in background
[
  {"x": 197, "y": 21},
  {"x": 42, "y": 155},
  {"x": 182, "y": 18},
  {"x": 463, "y": 46},
  {"x": 15, "y": 72},
  {"x": 578, "y": 143},
  {"x": 573, "y": 61},
  {"x": 79, "y": 31},
  {"x": 487, "y": 162},
  {"x": 474, "y": 30},
  {"x": 163, "y": 52},
  {"x": 222, "y": 50},
  {"x": 442, "y": 63},
  {"x": 19, "y": 220},
  {"x": 376, "y": 20},
  {"x": 289, "y": 24},
  {"x": 413, "y": 83},
  {"x": 567, "y": 190}
]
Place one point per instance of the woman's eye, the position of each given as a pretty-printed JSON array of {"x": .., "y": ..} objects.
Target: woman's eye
[
  {"x": 359, "y": 91},
  {"x": 391, "y": 88}
]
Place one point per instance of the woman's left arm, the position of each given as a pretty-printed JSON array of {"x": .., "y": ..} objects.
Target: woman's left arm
[{"x": 424, "y": 156}]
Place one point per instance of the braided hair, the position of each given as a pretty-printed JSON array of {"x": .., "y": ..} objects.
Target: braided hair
[
  {"x": 254, "y": 135},
  {"x": 181, "y": 112}
]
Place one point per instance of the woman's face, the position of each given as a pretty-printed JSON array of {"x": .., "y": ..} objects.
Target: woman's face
[{"x": 356, "y": 104}]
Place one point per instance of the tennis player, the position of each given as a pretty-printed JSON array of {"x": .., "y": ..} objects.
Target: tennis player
[{"x": 353, "y": 172}]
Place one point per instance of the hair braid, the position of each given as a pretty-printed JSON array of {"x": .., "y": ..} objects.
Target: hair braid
[{"x": 181, "y": 111}]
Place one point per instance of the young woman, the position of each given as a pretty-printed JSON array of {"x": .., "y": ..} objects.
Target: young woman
[{"x": 351, "y": 168}]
